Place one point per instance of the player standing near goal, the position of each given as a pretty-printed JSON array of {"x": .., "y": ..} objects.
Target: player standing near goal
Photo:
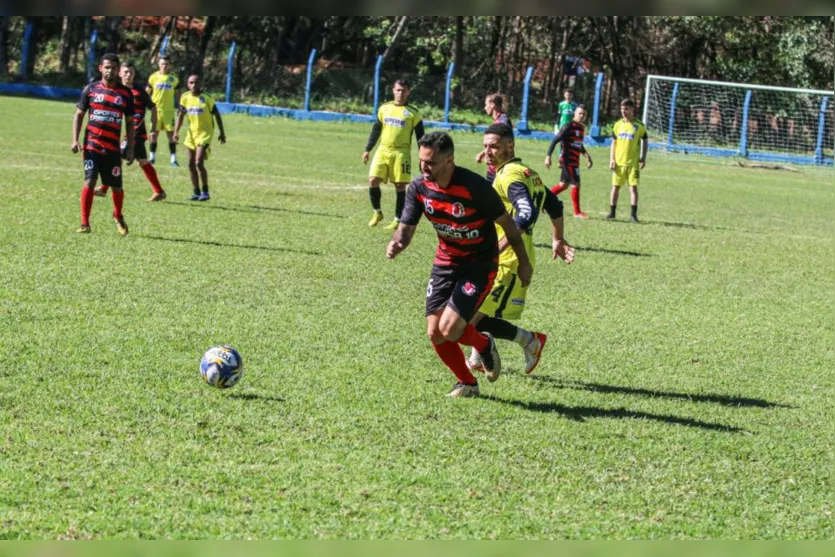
[
  {"x": 627, "y": 156},
  {"x": 494, "y": 105},
  {"x": 141, "y": 103},
  {"x": 565, "y": 109},
  {"x": 200, "y": 109},
  {"x": 162, "y": 86},
  {"x": 464, "y": 211},
  {"x": 109, "y": 103},
  {"x": 524, "y": 197},
  {"x": 570, "y": 137},
  {"x": 392, "y": 162}
]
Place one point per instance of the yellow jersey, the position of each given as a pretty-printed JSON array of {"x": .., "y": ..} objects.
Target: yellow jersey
[
  {"x": 628, "y": 137},
  {"x": 510, "y": 172},
  {"x": 399, "y": 124},
  {"x": 198, "y": 110},
  {"x": 162, "y": 88}
]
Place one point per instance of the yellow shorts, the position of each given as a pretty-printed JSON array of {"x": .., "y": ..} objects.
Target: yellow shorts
[
  {"x": 507, "y": 299},
  {"x": 391, "y": 165},
  {"x": 626, "y": 175},
  {"x": 190, "y": 143},
  {"x": 165, "y": 121}
]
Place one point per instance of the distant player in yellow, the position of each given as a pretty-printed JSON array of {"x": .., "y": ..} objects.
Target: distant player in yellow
[
  {"x": 627, "y": 157},
  {"x": 200, "y": 109},
  {"x": 393, "y": 160},
  {"x": 163, "y": 86},
  {"x": 524, "y": 196}
]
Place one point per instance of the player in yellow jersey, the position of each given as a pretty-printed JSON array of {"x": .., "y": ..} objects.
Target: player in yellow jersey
[
  {"x": 200, "y": 109},
  {"x": 163, "y": 87},
  {"x": 395, "y": 123},
  {"x": 627, "y": 157},
  {"x": 525, "y": 197}
]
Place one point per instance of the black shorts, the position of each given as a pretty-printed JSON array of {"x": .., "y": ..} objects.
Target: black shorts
[
  {"x": 139, "y": 151},
  {"x": 462, "y": 288},
  {"x": 108, "y": 166},
  {"x": 570, "y": 175}
]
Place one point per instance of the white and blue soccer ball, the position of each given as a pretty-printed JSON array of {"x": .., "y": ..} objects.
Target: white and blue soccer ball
[{"x": 221, "y": 367}]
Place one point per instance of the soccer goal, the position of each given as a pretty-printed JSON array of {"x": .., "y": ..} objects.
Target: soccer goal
[{"x": 740, "y": 120}]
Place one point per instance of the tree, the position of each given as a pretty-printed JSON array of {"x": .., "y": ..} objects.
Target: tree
[{"x": 4, "y": 41}]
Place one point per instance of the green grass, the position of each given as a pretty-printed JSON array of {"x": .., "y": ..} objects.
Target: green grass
[{"x": 685, "y": 392}]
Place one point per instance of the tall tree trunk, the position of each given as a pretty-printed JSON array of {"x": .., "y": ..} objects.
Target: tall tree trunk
[
  {"x": 164, "y": 27},
  {"x": 187, "y": 37},
  {"x": 547, "y": 88},
  {"x": 4, "y": 42},
  {"x": 458, "y": 49},
  {"x": 208, "y": 29},
  {"x": 113, "y": 23},
  {"x": 66, "y": 32},
  {"x": 394, "y": 38},
  {"x": 566, "y": 36}
]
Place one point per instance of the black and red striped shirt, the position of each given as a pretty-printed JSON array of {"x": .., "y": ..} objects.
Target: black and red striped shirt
[
  {"x": 106, "y": 108},
  {"x": 463, "y": 215},
  {"x": 141, "y": 103},
  {"x": 571, "y": 136}
]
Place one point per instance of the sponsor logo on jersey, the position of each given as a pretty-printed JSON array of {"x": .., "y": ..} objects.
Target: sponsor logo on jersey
[
  {"x": 394, "y": 122},
  {"x": 457, "y": 210}
]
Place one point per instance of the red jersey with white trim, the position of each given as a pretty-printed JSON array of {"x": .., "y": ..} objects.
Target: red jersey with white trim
[
  {"x": 463, "y": 215},
  {"x": 106, "y": 108}
]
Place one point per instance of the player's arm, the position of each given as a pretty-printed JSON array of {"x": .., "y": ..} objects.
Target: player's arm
[
  {"x": 644, "y": 147},
  {"x": 526, "y": 211},
  {"x": 612, "y": 152},
  {"x": 130, "y": 129},
  {"x": 216, "y": 114},
  {"x": 412, "y": 212},
  {"x": 587, "y": 155},
  {"x": 376, "y": 130},
  {"x": 419, "y": 131},
  {"x": 401, "y": 239},
  {"x": 557, "y": 138},
  {"x": 181, "y": 114},
  {"x": 77, "y": 119},
  {"x": 554, "y": 209},
  {"x": 514, "y": 238},
  {"x": 152, "y": 137}
]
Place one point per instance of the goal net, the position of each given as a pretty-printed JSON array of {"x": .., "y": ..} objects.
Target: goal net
[{"x": 736, "y": 119}]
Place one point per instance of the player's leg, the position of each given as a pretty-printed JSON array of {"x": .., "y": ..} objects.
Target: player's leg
[
  {"x": 575, "y": 194},
  {"x": 618, "y": 180},
  {"x": 563, "y": 184},
  {"x": 111, "y": 176},
  {"x": 201, "y": 154},
  {"x": 153, "y": 144},
  {"x": 634, "y": 176},
  {"x": 399, "y": 204},
  {"x": 148, "y": 170},
  {"x": 192, "y": 172},
  {"x": 375, "y": 194},
  {"x": 91, "y": 172},
  {"x": 172, "y": 146},
  {"x": 400, "y": 174}
]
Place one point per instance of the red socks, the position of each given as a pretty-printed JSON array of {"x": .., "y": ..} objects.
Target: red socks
[
  {"x": 151, "y": 175},
  {"x": 557, "y": 189},
  {"x": 575, "y": 199},
  {"x": 452, "y": 355},
  {"x": 472, "y": 337},
  {"x": 118, "y": 198},
  {"x": 86, "y": 205}
]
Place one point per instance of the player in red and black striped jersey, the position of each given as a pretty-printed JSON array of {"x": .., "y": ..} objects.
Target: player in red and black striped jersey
[
  {"x": 109, "y": 103},
  {"x": 141, "y": 103},
  {"x": 464, "y": 209},
  {"x": 571, "y": 135},
  {"x": 495, "y": 105}
]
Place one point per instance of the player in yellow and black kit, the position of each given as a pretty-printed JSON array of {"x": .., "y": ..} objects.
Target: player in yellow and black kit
[
  {"x": 627, "y": 157},
  {"x": 392, "y": 162},
  {"x": 200, "y": 109},
  {"x": 162, "y": 86},
  {"x": 524, "y": 196}
]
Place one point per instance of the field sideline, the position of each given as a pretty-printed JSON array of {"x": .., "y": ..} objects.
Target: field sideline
[{"x": 685, "y": 391}]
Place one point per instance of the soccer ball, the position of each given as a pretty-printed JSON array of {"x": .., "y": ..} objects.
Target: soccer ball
[{"x": 221, "y": 367}]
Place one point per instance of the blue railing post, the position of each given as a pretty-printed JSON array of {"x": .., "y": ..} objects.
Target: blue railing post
[
  {"x": 522, "y": 125},
  {"x": 743, "y": 136},
  {"x": 164, "y": 46},
  {"x": 595, "y": 121},
  {"x": 91, "y": 54},
  {"x": 309, "y": 79},
  {"x": 377, "y": 68},
  {"x": 672, "y": 115},
  {"x": 24, "y": 51},
  {"x": 230, "y": 65},
  {"x": 821, "y": 126},
  {"x": 448, "y": 95}
]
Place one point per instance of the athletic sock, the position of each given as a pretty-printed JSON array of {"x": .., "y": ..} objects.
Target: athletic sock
[
  {"x": 118, "y": 200},
  {"x": 557, "y": 189},
  {"x": 575, "y": 199},
  {"x": 86, "y": 204},
  {"x": 453, "y": 357},
  {"x": 499, "y": 328},
  {"x": 153, "y": 146},
  {"x": 375, "y": 194},
  {"x": 634, "y": 211},
  {"x": 399, "y": 204},
  {"x": 151, "y": 175},
  {"x": 523, "y": 337},
  {"x": 612, "y": 209},
  {"x": 473, "y": 338},
  {"x": 172, "y": 148},
  {"x": 205, "y": 188}
]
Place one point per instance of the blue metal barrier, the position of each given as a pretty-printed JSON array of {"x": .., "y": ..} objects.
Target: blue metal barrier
[
  {"x": 24, "y": 52},
  {"x": 522, "y": 125},
  {"x": 91, "y": 55},
  {"x": 309, "y": 79},
  {"x": 821, "y": 127},
  {"x": 672, "y": 115},
  {"x": 595, "y": 122},
  {"x": 230, "y": 65},
  {"x": 448, "y": 94},
  {"x": 377, "y": 68},
  {"x": 743, "y": 136}
]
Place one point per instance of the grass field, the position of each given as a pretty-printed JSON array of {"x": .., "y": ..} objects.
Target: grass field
[{"x": 685, "y": 392}]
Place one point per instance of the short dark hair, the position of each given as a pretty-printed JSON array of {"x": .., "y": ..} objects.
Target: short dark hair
[
  {"x": 627, "y": 102},
  {"x": 580, "y": 105},
  {"x": 496, "y": 100},
  {"x": 568, "y": 91},
  {"x": 164, "y": 57},
  {"x": 110, "y": 57},
  {"x": 502, "y": 130},
  {"x": 438, "y": 140},
  {"x": 403, "y": 82}
]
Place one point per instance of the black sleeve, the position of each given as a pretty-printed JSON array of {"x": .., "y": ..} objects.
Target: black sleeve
[
  {"x": 491, "y": 203},
  {"x": 557, "y": 138},
  {"x": 552, "y": 204},
  {"x": 376, "y": 130},
  {"x": 412, "y": 210},
  {"x": 84, "y": 99},
  {"x": 128, "y": 97},
  {"x": 419, "y": 130},
  {"x": 526, "y": 211},
  {"x": 146, "y": 99}
]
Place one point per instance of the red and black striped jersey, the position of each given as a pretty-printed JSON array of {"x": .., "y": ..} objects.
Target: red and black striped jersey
[
  {"x": 106, "y": 108},
  {"x": 571, "y": 136},
  {"x": 463, "y": 215},
  {"x": 141, "y": 103}
]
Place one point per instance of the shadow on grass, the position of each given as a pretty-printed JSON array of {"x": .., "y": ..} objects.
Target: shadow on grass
[
  {"x": 253, "y": 209},
  {"x": 256, "y": 396},
  {"x": 689, "y": 225},
  {"x": 603, "y": 250},
  {"x": 581, "y": 413},
  {"x": 225, "y": 245},
  {"x": 725, "y": 400}
]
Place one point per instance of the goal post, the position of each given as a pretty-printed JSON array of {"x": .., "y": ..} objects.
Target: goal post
[{"x": 724, "y": 119}]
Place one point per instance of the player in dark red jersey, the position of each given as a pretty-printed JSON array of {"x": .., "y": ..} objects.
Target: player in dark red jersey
[
  {"x": 109, "y": 103},
  {"x": 464, "y": 209},
  {"x": 141, "y": 103},
  {"x": 571, "y": 135},
  {"x": 495, "y": 105}
]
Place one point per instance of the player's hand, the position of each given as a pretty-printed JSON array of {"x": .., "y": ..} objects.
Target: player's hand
[
  {"x": 176, "y": 138},
  {"x": 365, "y": 158},
  {"x": 394, "y": 248},
  {"x": 222, "y": 138},
  {"x": 129, "y": 156},
  {"x": 563, "y": 250},
  {"x": 611, "y": 165},
  {"x": 589, "y": 165},
  {"x": 548, "y": 163},
  {"x": 74, "y": 147},
  {"x": 642, "y": 164},
  {"x": 479, "y": 157},
  {"x": 525, "y": 273},
  {"x": 152, "y": 137}
]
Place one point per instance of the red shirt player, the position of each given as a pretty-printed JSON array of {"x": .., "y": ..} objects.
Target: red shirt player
[
  {"x": 571, "y": 136},
  {"x": 494, "y": 106},
  {"x": 464, "y": 209},
  {"x": 109, "y": 104}
]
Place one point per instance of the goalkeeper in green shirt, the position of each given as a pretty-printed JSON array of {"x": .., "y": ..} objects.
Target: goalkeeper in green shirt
[{"x": 566, "y": 110}]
